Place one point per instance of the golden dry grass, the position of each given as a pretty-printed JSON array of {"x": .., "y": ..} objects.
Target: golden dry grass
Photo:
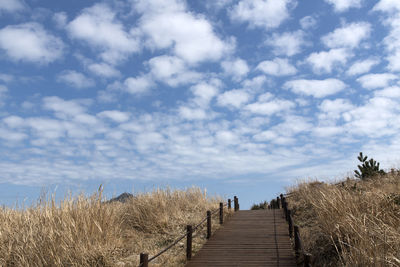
[
  {"x": 352, "y": 223},
  {"x": 86, "y": 231}
]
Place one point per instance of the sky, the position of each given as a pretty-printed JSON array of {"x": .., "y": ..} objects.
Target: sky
[{"x": 240, "y": 97}]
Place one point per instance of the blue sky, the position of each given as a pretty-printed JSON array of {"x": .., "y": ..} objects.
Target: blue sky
[{"x": 241, "y": 97}]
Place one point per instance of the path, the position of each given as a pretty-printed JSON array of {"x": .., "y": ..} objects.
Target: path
[{"x": 248, "y": 238}]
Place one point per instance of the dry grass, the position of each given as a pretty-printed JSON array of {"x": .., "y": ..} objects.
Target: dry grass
[
  {"x": 86, "y": 231},
  {"x": 353, "y": 223}
]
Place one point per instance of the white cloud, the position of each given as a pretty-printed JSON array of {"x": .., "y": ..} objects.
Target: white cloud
[
  {"x": 104, "y": 70},
  {"x": 308, "y": 22},
  {"x": 325, "y": 61},
  {"x": 227, "y": 137},
  {"x": 277, "y": 67},
  {"x": 376, "y": 80},
  {"x": 332, "y": 110},
  {"x": 30, "y": 42},
  {"x": 293, "y": 125},
  {"x": 3, "y": 93},
  {"x": 192, "y": 113},
  {"x": 335, "y": 106},
  {"x": 115, "y": 115},
  {"x": 165, "y": 67},
  {"x": 348, "y": 36},
  {"x": 237, "y": 68},
  {"x": 394, "y": 61},
  {"x": 344, "y": 5},
  {"x": 6, "y": 77},
  {"x": 27, "y": 105},
  {"x": 268, "y": 105},
  {"x": 378, "y": 117},
  {"x": 268, "y": 14},
  {"x": 98, "y": 27},
  {"x": 148, "y": 141},
  {"x": 273, "y": 137},
  {"x": 46, "y": 128},
  {"x": 159, "y": 6},
  {"x": 234, "y": 98},
  {"x": 172, "y": 70},
  {"x": 12, "y": 136},
  {"x": 315, "y": 88},
  {"x": 328, "y": 131},
  {"x": 191, "y": 36},
  {"x": 218, "y": 4},
  {"x": 197, "y": 108},
  {"x": 11, "y": 5},
  {"x": 287, "y": 43},
  {"x": 86, "y": 119},
  {"x": 75, "y": 79},
  {"x": 138, "y": 85},
  {"x": 362, "y": 66},
  {"x": 389, "y": 92},
  {"x": 14, "y": 121},
  {"x": 62, "y": 107},
  {"x": 204, "y": 93},
  {"x": 269, "y": 108},
  {"x": 60, "y": 18},
  {"x": 256, "y": 83},
  {"x": 392, "y": 40},
  {"x": 387, "y": 6},
  {"x": 266, "y": 136}
]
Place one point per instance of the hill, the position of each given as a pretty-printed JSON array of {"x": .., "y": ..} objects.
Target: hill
[
  {"x": 91, "y": 231},
  {"x": 351, "y": 223}
]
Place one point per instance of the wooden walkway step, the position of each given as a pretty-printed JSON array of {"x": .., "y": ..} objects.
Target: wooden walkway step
[{"x": 248, "y": 238}]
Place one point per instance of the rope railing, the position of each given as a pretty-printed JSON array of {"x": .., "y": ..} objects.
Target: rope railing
[
  {"x": 144, "y": 257},
  {"x": 302, "y": 256}
]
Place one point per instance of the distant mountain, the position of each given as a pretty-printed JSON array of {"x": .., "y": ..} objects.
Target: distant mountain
[{"x": 124, "y": 197}]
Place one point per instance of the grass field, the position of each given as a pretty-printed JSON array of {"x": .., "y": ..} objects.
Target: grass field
[
  {"x": 87, "y": 231},
  {"x": 350, "y": 223}
]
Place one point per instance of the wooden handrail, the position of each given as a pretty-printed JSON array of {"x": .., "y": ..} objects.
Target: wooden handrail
[
  {"x": 144, "y": 257},
  {"x": 294, "y": 231}
]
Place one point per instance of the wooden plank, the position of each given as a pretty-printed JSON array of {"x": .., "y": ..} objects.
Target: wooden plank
[{"x": 248, "y": 238}]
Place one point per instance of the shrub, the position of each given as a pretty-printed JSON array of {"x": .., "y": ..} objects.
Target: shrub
[{"x": 261, "y": 206}]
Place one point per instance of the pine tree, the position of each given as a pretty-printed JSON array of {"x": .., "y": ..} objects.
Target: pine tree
[{"x": 368, "y": 168}]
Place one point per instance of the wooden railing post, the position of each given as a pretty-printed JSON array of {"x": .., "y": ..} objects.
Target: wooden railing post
[
  {"x": 295, "y": 232},
  {"x": 285, "y": 209},
  {"x": 229, "y": 204},
  {"x": 307, "y": 260},
  {"x": 144, "y": 260},
  {"x": 297, "y": 242},
  {"x": 221, "y": 213},
  {"x": 290, "y": 222},
  {"x": 189, "y": 230},
  {"x": 236, "y": 203},
  {"x": 208, "y": 224}
]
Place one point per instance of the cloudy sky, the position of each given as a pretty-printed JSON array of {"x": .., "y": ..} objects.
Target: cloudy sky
[{"x": 242, "y": 97}]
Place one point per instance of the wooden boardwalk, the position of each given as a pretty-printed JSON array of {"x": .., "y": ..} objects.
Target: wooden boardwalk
[{"x": 248, "y": 238}]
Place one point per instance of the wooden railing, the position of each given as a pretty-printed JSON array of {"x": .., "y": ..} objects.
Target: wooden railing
[
  {"x": 302, "y": 257},
  {"x": 144, "y": 257}
]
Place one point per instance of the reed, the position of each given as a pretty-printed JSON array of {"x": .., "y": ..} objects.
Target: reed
[
  {"x": 350, "y": 223},
  {"x": 87, "y": 231}
]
